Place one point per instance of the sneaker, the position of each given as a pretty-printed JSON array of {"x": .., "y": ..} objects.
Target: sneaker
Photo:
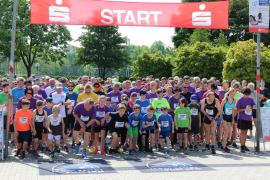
[
  {"x": 242, "y": 149},
  {"x": 35, "y": 154},
  {"x": 196, "y": 148},
  {"x": 219, "y": 145},
  {"x": 95, "y": 150},
  {"x": 83, "y": 153},
  {"x": 103, "y": 151},
  {"x": 18, "y": 152},
  {"x": 245, "y": 147},
  {"x": 190, "y": 147},
  {"x": 207, "y": 147},
  {"x": 234, "y": 145},
  {"x": 227, "y": 150},
  {"x": 66, "y": 148},
  {"x": 213, "y": 150},
  {"x": 113, "y": 151},
  {"x": 51, "y": 154},
  {"x": 151, "y": 150},
  {"x": 77, "y": 149},
  {"x": 22, "y": 156},
  {"x": 130, "y": 152},
  {"x": 186, "y": 151}
]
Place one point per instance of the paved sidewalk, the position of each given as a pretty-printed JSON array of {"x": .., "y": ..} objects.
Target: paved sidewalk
[{"x": 160, "y": 165}]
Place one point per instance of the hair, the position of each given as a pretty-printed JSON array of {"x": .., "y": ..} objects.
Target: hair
[
  {"x": 150, "y": 107},
  {"x": 29, "y": 89},
  {"x": 88, "y": 101},
  {"x": 5, "y": 85},
  {"x": 246, "y": 91},
  {"x": 39, "y": 103},
  {"x": 121, "y": 105},
  {"x": 56, "y": 108},
  {"x": 183, "y": 101},
  {"x": 25, "y": 102},
  {"x": 136, "y": 106},
  {"x": 102, "y": 97},
  {"x": 20, "y": 79}
]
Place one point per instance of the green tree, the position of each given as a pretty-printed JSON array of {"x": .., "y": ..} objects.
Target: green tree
[
  {"x": 158, "y": 46},
  {"x": 156, "y": 64},
  {"x": 199, "y": 59},
  {"x": 200, "y": 35},
  {"x": 33, "y": 42},
  {"x": 241, "y": 61},
  {"x": 102, "y": 47}
]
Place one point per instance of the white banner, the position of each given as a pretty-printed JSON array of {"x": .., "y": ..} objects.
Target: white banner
[
  {"x": 265, "y": 119},
  {"x": 259, "y": 16}
]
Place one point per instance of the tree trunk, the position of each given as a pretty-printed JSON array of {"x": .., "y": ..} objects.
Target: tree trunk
[{"x": 29, "y": 70}]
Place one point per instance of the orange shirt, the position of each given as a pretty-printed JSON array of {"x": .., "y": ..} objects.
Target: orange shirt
[{"x": 23, "y": 120}]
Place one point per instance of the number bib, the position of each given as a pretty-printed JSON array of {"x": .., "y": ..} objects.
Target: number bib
[
  {"x": 135, "y": 123},
  {"x": 165, "y": 124},
  {"x": 72, "y": 102},
  {"x": 210, "y": 112},
  {"x": 182, "y": 117},
  {"x": 40, "y": 118},
  {"x": 23, "y": 120},
  {"x": 144, "y": 110},
  {"x": 158, "y": 110},
  {"x": 100, "y": 114},
  {"x": 228, "y": 111},
  {"x": 119, "y": 124},
  {"x": 194, "y": 112},
  {"x": 55, "y": 122},
  {"x": 84, "y": 118},
  {"x": 115, "y": 99},
  {"x": 175, "y": 105}
]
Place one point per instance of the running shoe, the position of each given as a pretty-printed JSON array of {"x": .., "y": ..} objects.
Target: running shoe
[
  {"x": 227, "y": 150},
  {"x": 234, "y": 145},
  {"x": 242, "y": 149},
  {"x": 95, "y": 150},
  {"x": 77, "y": 149},
  {"x": 22, "y": 156},
  {"x": 245, "y": 147},
  {"x": 66, "y": 148},
  {"x": 103, "y": 151},
  {"x": 213, "y": 150},
  {"x": 83, "y": 153}
]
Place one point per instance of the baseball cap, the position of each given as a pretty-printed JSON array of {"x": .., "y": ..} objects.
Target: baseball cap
[
  {"x": 59, "y": 86},
  {"x": 194, "y": 98}
]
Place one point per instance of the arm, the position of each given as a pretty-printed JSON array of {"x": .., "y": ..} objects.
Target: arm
[
  {"x": 63, "y": 126},
  {"x": 218, "y": 107},
  {"x": 202, "y": 109},
  {"x": 78, "y": 119},
  {"x": 32, "y": 123}
]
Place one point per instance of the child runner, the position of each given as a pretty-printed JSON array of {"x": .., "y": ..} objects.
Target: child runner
[
  {"x": 182, "y": 120},
  {"x": 148, "y": 128},
  {"x": 166, "y": 125},
  {"x": 134, "y": 121},
  {"x": 22, "y": 126},
  {"x": 194, "y": 107},
  {"x": 40, "y": 119},
  {"x": 56, "y": 127}
]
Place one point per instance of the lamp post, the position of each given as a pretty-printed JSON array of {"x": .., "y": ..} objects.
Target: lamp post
[{"x": 37, "y": 66}]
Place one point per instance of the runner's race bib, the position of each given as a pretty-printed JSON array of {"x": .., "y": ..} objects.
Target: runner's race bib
[
  {"x": 84, "y": 118},
  {"x": 165, "y": 124},
  {"x": 119, "y": 124},
  {"x": 55, "y": 122},
  {"x": 228, "y": 111},
  {"x": 194, "y": 112},
  {"x": 248, "y": 111},
  {"x": 100, "y": 114},
  {"x": 182, "y": 117},
  {"x": 175, "y": 105},
  {"x": 135, "y": 123},
  {"x": 144, "y": 110},
  {"x": 40, "y": 118},
  {"x": 115, "y": 99},
  {"x": 72, "y": 102},
  {"x": 151, "y": 123},
  {"x": 23, "y": 120},
  {"x": 210, "y": 112},
  {"x": 158, "y": 110}
]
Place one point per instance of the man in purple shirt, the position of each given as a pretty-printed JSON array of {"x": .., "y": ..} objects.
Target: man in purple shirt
[
  {"x": 137, "y": 88},
  {"x": 29, "y": 93},
  {"x": 126, "y": 88},
  {"x": 85, "y": 116},
  {"x": 204, "y": 88},
  {"x": 244, "y": 106},
  {"x": 152, "y": 93},
  {"x": 115, "y": 95}
]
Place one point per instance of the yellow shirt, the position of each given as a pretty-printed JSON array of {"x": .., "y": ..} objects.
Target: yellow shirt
[{"x": 84, "y": 96}]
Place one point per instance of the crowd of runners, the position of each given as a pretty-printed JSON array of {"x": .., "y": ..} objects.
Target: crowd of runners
[{"x": 93, "y": 115}]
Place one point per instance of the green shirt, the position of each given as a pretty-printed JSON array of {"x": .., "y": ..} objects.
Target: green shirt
[
  {"x": 237, "y": 96},
  {"x": 3, "y": 99},
  {"x": 182, "y": 117},
  {"x": 158, "y": 104}
]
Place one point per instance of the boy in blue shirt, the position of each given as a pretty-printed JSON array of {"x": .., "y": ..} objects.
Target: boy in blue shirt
[
  {"x": 134, "y": 121},
  {"x": 148, "y": 129},
  {"x": 166, "y": 126}
]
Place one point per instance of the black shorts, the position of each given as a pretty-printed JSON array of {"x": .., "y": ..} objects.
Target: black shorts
[
  {"x": 148, "y": 131},
  {"x": 97, "y": 129},
  {"x": 39, "y": 129},
  {"x": 182, "y": 130},
  {"x": 69, "y": 121},
  {"x": 254, "y": 113},
  {"x": 77, "y": 127},
  {"x": 121, "y": 132},
  {"x": 195, "y": 126},
  {"x": 5, "y": 122},
  {"x": 244, "y": 125},
  {"x": 24, "y": 136},
  {"x": 227, "y": 118}
]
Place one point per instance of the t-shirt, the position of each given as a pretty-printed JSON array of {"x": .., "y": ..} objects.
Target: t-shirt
[
  {"x": 126, "y": 91},
  {"x": 187, "y": 96},
  {"x": 158, "y": 104},
  {"x": 4, "y": 101},
  {"x": 151, "y": 96},
  {"x": 174, "y": 102},
  {"x": 245, "y": 103},
  {"x": 237, "y": 96},
  {"x": 73, "y": 97},
  {"x": 17, "y": 93},
  {"x": 60, "y": 98},
  {"x": 144, "y": 104},
  {"x": 49, "y": 90},
  {"x": 48, "y": 110},
  {"x": 135, "y": 121},
  {"x": 83, "y": 114},
  {"x": 149, "y": 121},
  {"x": 32, "y": 101},
  {"x": 23, "y": 120},
  {"x": 115, "y": 97},
  {"x": 165, "y": 121},
  {"x": 182, "y": 117},
  {"x": 84, "y": 96},
  {"x": 118, "y": 122},
  {"x": 100, "y": 113}
]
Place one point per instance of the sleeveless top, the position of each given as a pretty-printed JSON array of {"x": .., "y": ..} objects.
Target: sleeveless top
[
  {"x": 55, "y": 125},
  {"x": 228, "y": 108},
  {"x": 39, "y": 117},
  {"x": 211, "y": 109}
]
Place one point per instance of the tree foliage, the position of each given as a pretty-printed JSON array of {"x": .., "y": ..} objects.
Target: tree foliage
[
  {"x": 199, "y": 59},
  {"x": 45, "y": 42},
  {"x": 241, "y": 61},
  {"x": 102, "y": 47},
  {"x": 156, "y": 64}
]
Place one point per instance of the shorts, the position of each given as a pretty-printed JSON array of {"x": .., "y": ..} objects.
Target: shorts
[
  {"x": 11, "y": 128},
  {"x": 165, "y": 134},
  {"x": 133, "y": 132},
  {"x": 227, "y": 118},
  {"x": 206, "y": 120},
  {"x": 182, "y": 130},
  {"x": 254, "y": 113},
  {"x": 52, "y": 137},
  {"x": 97, "y": 129},
  {"x": 77, "y": 127},
  {"x": 24, "y": 136},
  {"x": 5, "y": 122},
  {"x": 148, "y": 131},
  {"x": 195, "y": 127},
  {"x": 219, "y": 121},
  {"x": 244, "y": 125},
  {"x": 39, "y": 130},
  {"x": 121, "y": 132}
]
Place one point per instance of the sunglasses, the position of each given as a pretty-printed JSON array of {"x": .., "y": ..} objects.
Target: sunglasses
[
  {"x": 71, "y": 86},
  {"x": 185, "y": 87},
  {"x": 163, "y": 109},
  {"x": 28, "y": 92},
  {"x": 136, "y": 108}
]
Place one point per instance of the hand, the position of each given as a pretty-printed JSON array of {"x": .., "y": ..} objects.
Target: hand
[
  {"x": 97, "y": 122},
  {"x": 16, "y": 133},
  {"x": 50, "y": 131},
  {"x": 34, "y": 132},
  {"x": 82, "y": 125},
  {"x": 189, "y": 128}
]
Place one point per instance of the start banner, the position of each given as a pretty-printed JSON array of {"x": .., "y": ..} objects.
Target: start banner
[{"x": 210, "y": 15}]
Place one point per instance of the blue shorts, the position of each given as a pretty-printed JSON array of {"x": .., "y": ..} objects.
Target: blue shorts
[
  {"x": 165, "y": 134},
  {"x": 219, "y": 120}
]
